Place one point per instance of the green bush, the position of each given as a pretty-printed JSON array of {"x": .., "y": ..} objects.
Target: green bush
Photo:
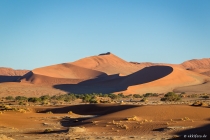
[
  {"x": 9, "y": 98},
  {"x": 171, "y": 96},
  {"x": 143, "y": 99},
  {"x": 205, "y": 97},
  {"x": 137, "y": 96},
  {"x": 21, "y": 98},
  {"x": 113, "y": 96},
  {"x": 45, "y": 97},
  {"x": 34, "y": 99}
]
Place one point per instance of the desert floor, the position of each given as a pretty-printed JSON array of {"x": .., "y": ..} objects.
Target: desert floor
[{"x": 106, "y": 121}]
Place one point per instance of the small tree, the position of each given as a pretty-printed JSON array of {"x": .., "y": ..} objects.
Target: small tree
[
  {"x": 171, "y": 96},
  {"x": 137, "y": 96},
  {"x": 34, "y": 99},
  {"x": 21, "y": 98},
  {"x": 205, "y": 97},
  {"x": 9, "y": 98}
]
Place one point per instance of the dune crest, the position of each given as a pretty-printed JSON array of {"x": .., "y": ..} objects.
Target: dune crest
[{"x": 109, "y": 64}]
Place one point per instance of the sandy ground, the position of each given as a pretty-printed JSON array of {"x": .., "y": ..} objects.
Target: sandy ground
[{"x": 106, "y": 121}]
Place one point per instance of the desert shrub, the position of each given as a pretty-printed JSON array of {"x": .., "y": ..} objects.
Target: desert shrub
[
  {"x": 105, "y": 95},
  {"x": 21, "y": 98},
  {"x": 155, "y": 94},
  {"x": 45, "y": 97},
  {"x": 48, "y": 130},
  {"x": 147, "y": 94},
  {"x": 34, "y": 99},
  {"x": 49, "y": 112},
  {"x": 150, "y": 95},
  {"x": 86, "y": 98},
  {"x": 93, "y": 100},
  {"x": 6, "y": 107},
  {"x": 64, "y": 97},
  {"x": 22, "y": 103},
  {"x": 193, "y": 96},
  {"x": 9, "y": 98},
  {"x": 121, "y": 95},
  {"x": 137, "y": 96},
  {"x": 113, "y": 96},
  {"x": 205, "y": 97},
  {"x": 199, "y": 103},
  {"x": 143, "y": 99},
  {"x": 171, "y": 96}
]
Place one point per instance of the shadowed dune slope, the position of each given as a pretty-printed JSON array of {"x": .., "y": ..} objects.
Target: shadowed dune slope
[
  {"x": 178, "y": 78},
  {"x": 115, "y": 83},
  {"x": 60, "y": 74},
  {"x": 9, "y": 78},
  {"x": 156, "y": 79}
]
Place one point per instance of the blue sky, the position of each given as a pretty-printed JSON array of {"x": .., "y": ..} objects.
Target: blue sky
[{"x": 36, "y": 33}]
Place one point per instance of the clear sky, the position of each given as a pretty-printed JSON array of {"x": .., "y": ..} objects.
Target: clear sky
[{"x": 36, "y": 33}]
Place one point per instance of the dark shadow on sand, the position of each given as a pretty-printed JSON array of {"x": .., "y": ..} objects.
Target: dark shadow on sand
[
  {"x": 88, "y": 109},
  {"x": 199, "y": 133},
  {"x": 9, "y": 78},
  {"x": 115, "y": 83}
]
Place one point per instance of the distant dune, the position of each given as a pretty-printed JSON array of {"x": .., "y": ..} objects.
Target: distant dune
[
  {"x": 10, "y": 75},
  {"x": 11, "y": 72},
  {"x": 107, "y": 73},
  {"x": 198, "y": 65}
]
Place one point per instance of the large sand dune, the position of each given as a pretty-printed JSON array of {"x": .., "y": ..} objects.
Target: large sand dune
[
  {"x": 110, "y": 64},
  {"x": 108, "y": 73}
]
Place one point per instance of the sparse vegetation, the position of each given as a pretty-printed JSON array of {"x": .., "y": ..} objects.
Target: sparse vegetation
[
  {"x": 171, "y": 96},
  {"x": 205, "y": 97},
  {"x": 137, "y": 96},
  {"x": 144, "y": 99},
  {"x": 48, "y": 130},
  {"x": 9, "y": 98}
]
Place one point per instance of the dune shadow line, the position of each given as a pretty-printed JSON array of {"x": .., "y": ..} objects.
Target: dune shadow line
[{"x": 115, "y": 83}]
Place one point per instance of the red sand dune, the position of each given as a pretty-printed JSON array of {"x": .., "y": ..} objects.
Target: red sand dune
[
  {"x": 10, "y": 75},
  {"x": 109, "y": 64},
  {"x": 11, "y": 72},
  {"x": 201, "y": 66},
  {"x": 197, "y": 64},
  {"x": 61, "y": 74},
  {"x": 178, "y": 78},
  {"x": 108, "y": 73}
]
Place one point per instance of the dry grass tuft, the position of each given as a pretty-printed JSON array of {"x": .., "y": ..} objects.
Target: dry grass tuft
[
  {"x": 49, "y": 112},
  {"x": 48, "y": 130},
  {"x": 70, "y": 112},
  {"x": 134, "y": 118}
]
